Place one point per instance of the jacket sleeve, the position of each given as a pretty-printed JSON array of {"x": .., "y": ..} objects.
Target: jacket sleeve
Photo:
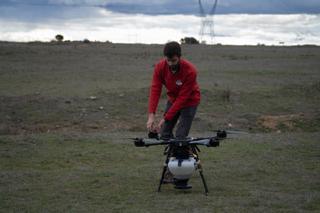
[
  {"x": 155, "y": 90},
  {"x": 184, "y": 94}
]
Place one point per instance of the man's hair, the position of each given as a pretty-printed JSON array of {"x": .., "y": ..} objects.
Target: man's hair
[{"x": 171, "y": 49}]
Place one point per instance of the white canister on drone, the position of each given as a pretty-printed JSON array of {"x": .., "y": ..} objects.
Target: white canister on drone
[{"x": 183, "y": 169}]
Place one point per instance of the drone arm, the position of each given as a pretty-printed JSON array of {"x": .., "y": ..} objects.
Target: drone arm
[
  {"x": 203, "y": 142},
  {"x": 140, "y": 142},
  {"x": 209, "y": 142}
]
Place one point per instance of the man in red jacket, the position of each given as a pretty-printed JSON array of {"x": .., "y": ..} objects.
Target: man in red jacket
[{"x": 179, "y": 77}]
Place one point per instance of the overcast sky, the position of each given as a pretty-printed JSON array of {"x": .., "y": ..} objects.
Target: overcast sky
[
  {"x": 151, "y": 21},
  {"x": 185, "y": 6}
]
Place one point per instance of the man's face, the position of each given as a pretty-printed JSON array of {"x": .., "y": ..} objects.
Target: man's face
[{"x": 173, "y": 63}]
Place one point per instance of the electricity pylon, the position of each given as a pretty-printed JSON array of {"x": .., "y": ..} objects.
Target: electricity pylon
[{"x": 207, "y": 21}]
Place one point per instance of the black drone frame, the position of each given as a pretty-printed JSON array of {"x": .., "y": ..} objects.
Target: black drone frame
[{"x": 173, "y": 144}]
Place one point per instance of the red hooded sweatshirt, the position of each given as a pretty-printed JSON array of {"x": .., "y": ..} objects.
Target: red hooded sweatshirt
[{"x": 182, "y": 87}]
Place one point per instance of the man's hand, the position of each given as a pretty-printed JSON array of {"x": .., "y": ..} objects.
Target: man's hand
[
  {"x": 150, "y": 122},
  {"x": 160, "y": 125}
]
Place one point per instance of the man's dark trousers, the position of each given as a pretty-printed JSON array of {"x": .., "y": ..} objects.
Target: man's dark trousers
[{"x": 185, "y": 116}]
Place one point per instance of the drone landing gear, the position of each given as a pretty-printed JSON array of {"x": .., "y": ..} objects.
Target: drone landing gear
[
  {"x": 195, "y": 151},
  {"x": 162, "y": 176},
  {"x": 204, "y": 182}
]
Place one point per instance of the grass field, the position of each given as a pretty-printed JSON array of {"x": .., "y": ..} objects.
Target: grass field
[
  {"x": 61, "y": 150},
  {"x": 86, "y": 173}
]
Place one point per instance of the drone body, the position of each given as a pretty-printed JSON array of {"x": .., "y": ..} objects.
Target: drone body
[{"x": 182, "y": 156}]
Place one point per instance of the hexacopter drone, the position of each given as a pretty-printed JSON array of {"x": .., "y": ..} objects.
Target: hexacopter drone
[{"x": 182, "y": 156}]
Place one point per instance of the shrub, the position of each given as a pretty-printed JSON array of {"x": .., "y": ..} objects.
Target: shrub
[
  {"x": 189, "y": 40},
  {"x": 59, "y": 38}
]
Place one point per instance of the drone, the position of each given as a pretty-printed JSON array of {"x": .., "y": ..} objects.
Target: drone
[{"x": 182, "y": 158}]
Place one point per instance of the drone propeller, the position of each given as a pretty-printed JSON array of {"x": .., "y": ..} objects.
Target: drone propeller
[
  {"x": 130, "y": 138},
  {"x": 231, "y": 131}
]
